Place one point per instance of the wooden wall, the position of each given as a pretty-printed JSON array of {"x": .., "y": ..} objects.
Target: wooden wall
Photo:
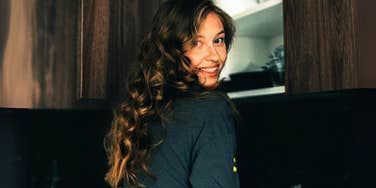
[
  {"x": 130, "y": 21},
  {"x": 4, "y": 22},
  {"x": 366, "y": 38},
  {"x": 54, "y": 30},
  {"x": 65, "y": 54},
  {"x": 329, "y": 44},
  {"x": 320, "y": 45}
]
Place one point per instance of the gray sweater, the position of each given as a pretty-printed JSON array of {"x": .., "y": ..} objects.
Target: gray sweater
[{"x": 198, "y": 148}]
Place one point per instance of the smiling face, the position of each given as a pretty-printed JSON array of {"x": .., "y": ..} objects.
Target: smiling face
[{"x": 207, "y": 53}]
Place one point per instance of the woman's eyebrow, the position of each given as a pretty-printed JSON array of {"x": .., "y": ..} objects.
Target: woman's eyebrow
[{"x": 219, "y": 33}]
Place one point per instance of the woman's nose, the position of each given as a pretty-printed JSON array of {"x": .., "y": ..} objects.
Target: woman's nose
[{"x": 212, "y": 54}]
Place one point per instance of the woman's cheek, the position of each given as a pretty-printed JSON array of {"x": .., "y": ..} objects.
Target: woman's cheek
[
  {"x": 196, "y": 60},
  {"x": 223, "y": 54}
]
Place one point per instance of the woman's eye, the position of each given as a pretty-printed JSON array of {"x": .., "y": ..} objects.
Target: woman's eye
[
  {"x": 219, "y": 40},
  {"x": 196, "y": 43}
]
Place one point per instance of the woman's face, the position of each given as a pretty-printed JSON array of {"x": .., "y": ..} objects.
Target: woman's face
[{"x": 208, "y": 51}]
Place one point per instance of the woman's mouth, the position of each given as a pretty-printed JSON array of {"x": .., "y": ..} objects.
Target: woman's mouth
[{"x": 209, "y": 71}]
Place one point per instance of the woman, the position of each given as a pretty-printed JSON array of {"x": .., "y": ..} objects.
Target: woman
[{"x": 173, "y": 130}]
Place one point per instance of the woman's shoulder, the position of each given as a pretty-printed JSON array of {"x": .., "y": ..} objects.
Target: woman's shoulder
[
  {"x": 205, "y": 101},
  {"x": 204, "y": 106}
]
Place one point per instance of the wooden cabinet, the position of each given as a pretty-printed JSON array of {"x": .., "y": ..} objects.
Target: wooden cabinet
[
  {"x": 366, "y": 36},
  {"x": 38, "y": 53},
  {"x": 328, "y": 45},
  {"x": 65, "y": 54},
  {"x": 110, "y": 34},
  {"x": 93, "y": 44}
]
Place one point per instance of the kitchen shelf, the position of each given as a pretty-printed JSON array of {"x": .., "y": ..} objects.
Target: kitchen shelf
[
  {"x": 254, "y": 9},
  {"x": 262, "y": 21},
  {"x": 257, "y": 92}
]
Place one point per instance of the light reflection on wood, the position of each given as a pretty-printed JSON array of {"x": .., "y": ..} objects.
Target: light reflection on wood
[
  {"x": 47, "y": 61},
  {"x": 17, "y": 78},
  {"x": 39, "y": 58}
]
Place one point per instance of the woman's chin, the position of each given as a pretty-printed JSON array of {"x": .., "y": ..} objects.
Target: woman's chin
[{"x": 210, "y": 83}]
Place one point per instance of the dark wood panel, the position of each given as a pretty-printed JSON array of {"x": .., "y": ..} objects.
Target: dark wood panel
[
  {"x": 123, "y": 44},
  {"x": 366, "y": 35},
  {"x": 130, "y": 21},
  {"x": 39, "y": 59},
  {"x": 55, "y": 52},
  {"x": 64, "y": 54},
  {"x": 320, "y": 44},
  {"x": 111, "y": 32},
  {"x": 94, "y": 32},
  {"x": 4, "y": 27}
]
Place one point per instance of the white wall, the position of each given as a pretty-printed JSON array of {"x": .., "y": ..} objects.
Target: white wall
[
  {"x": 234, "y": 7},
  {"x": 274, "y": 42}
]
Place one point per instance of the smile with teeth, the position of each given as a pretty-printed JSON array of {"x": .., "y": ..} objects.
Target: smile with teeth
[{"x": 209, "y": 70}]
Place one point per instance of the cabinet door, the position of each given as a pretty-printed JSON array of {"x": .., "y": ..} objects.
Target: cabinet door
[
  {"x": 366, "y": 36},
  {"x": 65, "y": 54},
  {"x": 110, "y": 35},
  {"x": 320, "y": 44},
  {"x": 93, "y": 45},
  {"x": 38, "y": 53}
]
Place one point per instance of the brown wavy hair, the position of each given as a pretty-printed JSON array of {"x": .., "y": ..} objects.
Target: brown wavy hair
[{"x": 163, "y": 74}]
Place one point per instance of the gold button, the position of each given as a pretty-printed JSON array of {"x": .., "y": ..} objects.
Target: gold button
[
  {"x": 234, "y": 169},
  {"x": 234, "y": 160}
]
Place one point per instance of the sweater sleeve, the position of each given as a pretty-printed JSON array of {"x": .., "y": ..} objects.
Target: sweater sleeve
[{"x": 213, "y": 155}]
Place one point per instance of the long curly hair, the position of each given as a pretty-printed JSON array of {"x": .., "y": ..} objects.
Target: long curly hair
[{"x": 163, "y": 74}]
